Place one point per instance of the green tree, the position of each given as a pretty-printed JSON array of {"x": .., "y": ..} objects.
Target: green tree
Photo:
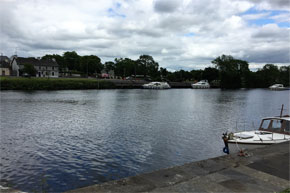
[
  {"x": 125, "y": 67},
  {"x": 72, "y": 61},
  {"x": 109, "y": 66},
  {"x": 284, "y": 75},
  {"x": 147, "y": 66},
  {"x": 232, "y": 71},
  {"x": 163, "y": 72},
  {"x": 196, "y": 74},
  {"x": 210, "y": 74},
  {"x": 29, "y": 69},
  {"x": 268, "y": 75},
  {"x": 90, "y": 64}
]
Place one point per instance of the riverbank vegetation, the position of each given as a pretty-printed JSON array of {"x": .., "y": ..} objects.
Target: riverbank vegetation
[
  {"x": 12, "y": 83},
  {"x": 228, "y": 72}
]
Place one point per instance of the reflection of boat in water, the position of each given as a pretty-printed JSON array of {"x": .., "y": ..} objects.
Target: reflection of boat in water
[
  {"x": 272, "y": 130},
  {"x": 201, "y": 84},
  {"x": 277, "y": 87},
  {"x": 157, "y": 85}
]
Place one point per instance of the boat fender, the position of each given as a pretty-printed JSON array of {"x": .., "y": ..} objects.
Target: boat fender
[{"x": 226, "y": 148}]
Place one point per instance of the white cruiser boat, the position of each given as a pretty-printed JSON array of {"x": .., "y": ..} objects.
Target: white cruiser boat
[
  {"x": 201, "y": 84},
  {"x": 277, "y": 87},
  {"x": 156, "y": 85},
  {"x": 272, "y": 130}
]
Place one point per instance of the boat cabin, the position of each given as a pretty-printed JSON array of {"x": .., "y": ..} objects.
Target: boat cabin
[{"x": 276, "y": 125}]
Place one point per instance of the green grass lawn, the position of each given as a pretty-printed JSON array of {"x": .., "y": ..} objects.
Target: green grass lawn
[{"x": 20, "y": 83}]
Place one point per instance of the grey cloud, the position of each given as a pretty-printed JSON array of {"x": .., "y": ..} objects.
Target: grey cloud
[
  {"x": 275, "y": 4},
  {"x": 272, "y": 33},
  {"x": 271, "y": 55},
  {"x": 166, "y": 6}
]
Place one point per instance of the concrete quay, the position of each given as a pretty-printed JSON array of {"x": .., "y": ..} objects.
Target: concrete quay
[{"x": 263, "y": 170}]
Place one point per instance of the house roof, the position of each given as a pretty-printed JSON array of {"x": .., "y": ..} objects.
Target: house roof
[
  {"x": 4, "y": 62},
  {"x": 36, "y": 62},
  {"x": 5, "y": 58}
]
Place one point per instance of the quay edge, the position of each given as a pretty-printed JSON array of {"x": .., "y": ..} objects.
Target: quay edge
[{"x": 263, "y": 170}]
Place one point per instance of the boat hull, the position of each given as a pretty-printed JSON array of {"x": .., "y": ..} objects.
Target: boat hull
[
  {"x": 199, "y": 87},
  {"x": 237, "y": 147}
]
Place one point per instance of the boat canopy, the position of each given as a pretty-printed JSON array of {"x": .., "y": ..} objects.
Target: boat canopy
[{"x": 276, "y": 125}]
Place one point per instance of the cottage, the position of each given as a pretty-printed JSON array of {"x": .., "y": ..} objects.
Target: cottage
[
  {"x": 47, "y": 68},
  {"x": 43, "y": 67},
  {"x": 5, "y": 69}
]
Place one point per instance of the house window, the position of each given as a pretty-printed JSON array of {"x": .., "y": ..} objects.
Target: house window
[
  {"x": 3, "y": 72},
  {"x": 39, "y": 74},
  {"x": 53, "y": 68},
  {"x": 52, "y": 73}
]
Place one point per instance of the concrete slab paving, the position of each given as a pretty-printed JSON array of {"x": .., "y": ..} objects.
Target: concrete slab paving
[{"x": 264, "y": 170}]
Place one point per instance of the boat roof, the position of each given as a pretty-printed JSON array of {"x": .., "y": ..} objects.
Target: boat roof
[{"x": 286, "y": 118}]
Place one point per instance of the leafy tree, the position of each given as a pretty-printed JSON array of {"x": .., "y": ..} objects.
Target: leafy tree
[
  {"x": 147, "y": 66},
  {"x": 72, "y": 60},
  {"x": 196, "y": 74},
  {"x": 109, "y": 66},
  {"x": 232, "y": 71},
  {"x": 284, "y": 75},
  {"x": 163, "y": 72},
  {"x": 29, "y": 69},
  {"x": 268, "y": 75},
  {"x": 210, "y": 74},
  {"x": 124, "y": 67},
  {"x": 90, "y": 64}
]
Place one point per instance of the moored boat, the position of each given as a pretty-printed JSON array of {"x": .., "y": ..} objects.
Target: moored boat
[
  {"x": 277, "y": 87},
  {"x": 201, "y": 84},
  {"x": 156, "y": 85},
  {"x": 272, "y": 130}
]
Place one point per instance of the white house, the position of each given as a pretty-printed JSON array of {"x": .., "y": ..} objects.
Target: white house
[{"x": 43, "y": 67}]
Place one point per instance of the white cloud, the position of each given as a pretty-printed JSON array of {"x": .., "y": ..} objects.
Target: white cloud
[{"x": 129, "y": 28}]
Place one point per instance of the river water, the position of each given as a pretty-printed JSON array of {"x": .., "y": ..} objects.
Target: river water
[{"x": 60, "y": 140}]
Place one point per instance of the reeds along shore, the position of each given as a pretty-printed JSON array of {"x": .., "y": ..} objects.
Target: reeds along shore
[{"x": 8, "y": 83}]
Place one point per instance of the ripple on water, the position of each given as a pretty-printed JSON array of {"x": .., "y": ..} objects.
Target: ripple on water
[{"x": 62, "y": 140}]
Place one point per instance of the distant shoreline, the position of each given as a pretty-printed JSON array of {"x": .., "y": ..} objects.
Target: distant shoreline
[
  {"x": 21, "y": 83},
  {"x": 11, "y": 83},
  {"x": 31, "y": 84}
]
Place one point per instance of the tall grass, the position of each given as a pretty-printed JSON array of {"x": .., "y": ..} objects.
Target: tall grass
[{"x": 13, "y": 83}]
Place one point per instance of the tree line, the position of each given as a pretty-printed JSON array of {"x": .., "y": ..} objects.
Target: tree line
[{"x": 228, "y": 71}]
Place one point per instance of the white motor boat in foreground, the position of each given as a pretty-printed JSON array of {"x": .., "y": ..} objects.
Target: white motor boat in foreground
[
  {"x": 201, "y": 84},
  {"x": 277, "y": 87},
  {"x": 272, "y": 130},
  {"x": 157, "y": 85}
]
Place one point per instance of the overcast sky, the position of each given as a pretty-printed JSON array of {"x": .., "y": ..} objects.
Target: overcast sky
[{"x": 179, "y": 34}]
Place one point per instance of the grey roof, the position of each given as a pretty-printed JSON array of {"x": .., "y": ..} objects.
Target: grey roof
[
  {"x": 5, "y": 58},
  {"x": 4, "y": 62},
  {"x": 36, "y": 62}
]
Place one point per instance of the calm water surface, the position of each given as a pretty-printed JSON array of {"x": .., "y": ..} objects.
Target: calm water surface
[{"x": 61, "y": 140}]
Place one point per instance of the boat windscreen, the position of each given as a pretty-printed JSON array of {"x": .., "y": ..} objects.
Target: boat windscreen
[
  {"x": 273, "y": 125},
  {"x": 287, "y": 127},
  {"x": 276, "y": 125}
]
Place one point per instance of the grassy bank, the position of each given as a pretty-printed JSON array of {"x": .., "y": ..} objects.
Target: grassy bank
[{"x": 11, "y": 83}]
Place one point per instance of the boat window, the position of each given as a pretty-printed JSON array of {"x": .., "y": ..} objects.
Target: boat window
[
  {"x": 276, "y": 125},
  {"x": 265, "y": 124},
  {"x": 287, "y": 127}
]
